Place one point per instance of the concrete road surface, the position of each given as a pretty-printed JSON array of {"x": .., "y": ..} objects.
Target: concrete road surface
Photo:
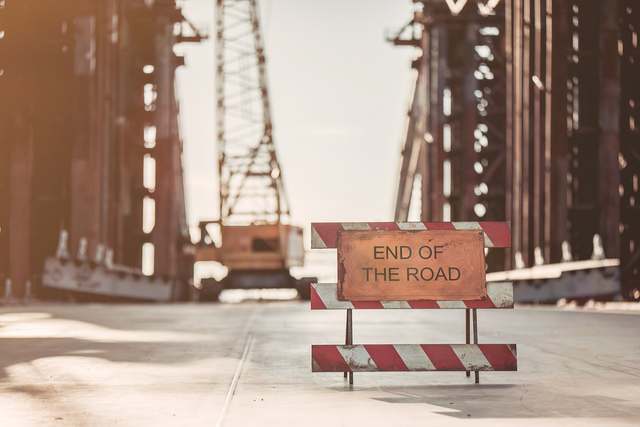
[{"x": 248, "y": 364}]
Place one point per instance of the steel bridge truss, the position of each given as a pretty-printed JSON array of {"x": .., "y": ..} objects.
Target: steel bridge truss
[
  {"x": 89, "y": 139},
  {"x": 526, "y": 111},
  {"x": 455, "y": 146}
]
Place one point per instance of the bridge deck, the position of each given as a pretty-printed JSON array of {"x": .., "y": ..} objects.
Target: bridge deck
[{"x": 249, "y": 364}]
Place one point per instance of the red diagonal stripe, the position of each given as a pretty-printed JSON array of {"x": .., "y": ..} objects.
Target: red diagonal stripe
[
  {"x": 316, "y": 301},
  {"x": 423, "y": 304},
  {"x": 439, "y": 226},
  {"x": 486, "y": 303},
  {"x": 328, "y": 232},
  {"x": 383, "y": 226},
  {"x": 443, "y": 357},
  {"x": 499, "y": 356},
  {"x": 367, "y": 304},
  {"x": 498, "y": 232},
  {"x": 329, "y": 358},
  {"x": 386, "y": 357}
]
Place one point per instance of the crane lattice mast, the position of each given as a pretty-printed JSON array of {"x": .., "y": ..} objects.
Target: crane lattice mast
[{"x": 251, "y": 188}]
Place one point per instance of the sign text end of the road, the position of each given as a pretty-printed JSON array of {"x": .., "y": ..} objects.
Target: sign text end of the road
[{"x": 400, "y": 265}]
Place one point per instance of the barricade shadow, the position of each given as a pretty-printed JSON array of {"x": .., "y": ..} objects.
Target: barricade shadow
[{"x": 511, "y": 401}]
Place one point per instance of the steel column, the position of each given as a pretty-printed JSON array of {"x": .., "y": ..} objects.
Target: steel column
[{"x": 629, "y": 158}]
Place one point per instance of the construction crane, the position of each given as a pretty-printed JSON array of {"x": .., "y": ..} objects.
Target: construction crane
[{"x": 256, "y": 243}]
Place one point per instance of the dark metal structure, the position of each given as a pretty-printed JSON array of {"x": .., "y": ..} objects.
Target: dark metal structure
[
  {"x": 89, "y": 138},
  {"x": 525, "y": 111},
  {"x": 629, "y": 156},
  {"x": 456, "y": 136}
]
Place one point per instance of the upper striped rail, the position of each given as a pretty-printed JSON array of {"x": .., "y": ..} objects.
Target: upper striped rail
[
  {"x": 324, "y": 235},
  {"x": 324, "y": 296}
]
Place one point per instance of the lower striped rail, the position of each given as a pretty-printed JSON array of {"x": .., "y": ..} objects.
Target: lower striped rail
[
  {"x": 324, "y": 296},
  {"x": 414, "y": 357}
]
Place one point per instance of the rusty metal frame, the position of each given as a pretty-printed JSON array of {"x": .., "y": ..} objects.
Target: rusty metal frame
[
  {"x": 556, "y": 162},
  {"x": 74, "y": 156}
]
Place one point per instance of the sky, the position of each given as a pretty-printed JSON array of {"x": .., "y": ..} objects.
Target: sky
[{"x": 339, "y": 95}]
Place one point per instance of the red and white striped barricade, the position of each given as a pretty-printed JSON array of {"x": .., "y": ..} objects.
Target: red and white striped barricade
[{"x": 467, "y": 357}]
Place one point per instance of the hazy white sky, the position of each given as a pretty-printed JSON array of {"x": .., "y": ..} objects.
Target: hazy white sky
[{"x": 339, "y": 95}]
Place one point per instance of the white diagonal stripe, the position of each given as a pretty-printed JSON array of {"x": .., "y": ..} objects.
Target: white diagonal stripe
[
  {"x": 451, "y": 304},
  {"x": 355, "y": 226},
  {"x": 357, "y": 358},
  {"x": 414, "y": 357},
  {"x": 470, "y": 225},
  {"x": 316, "y": 240},
  {"x": 471, "y": 357},
  {"x": 411, "y": 226},
  {"x": 501, "y": 293},
  {"x": 512, "y": 347},
  {"x": 328, "y": 293},
  {"x": 395, "y": 304},
  {"x": 473, "y": 225}
]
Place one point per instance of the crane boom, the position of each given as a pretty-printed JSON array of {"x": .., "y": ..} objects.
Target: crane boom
[{"x": 251, "y": 187}]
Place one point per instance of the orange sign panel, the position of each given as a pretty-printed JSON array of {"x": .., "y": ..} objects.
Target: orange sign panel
[{"x": 398, "y": 265}]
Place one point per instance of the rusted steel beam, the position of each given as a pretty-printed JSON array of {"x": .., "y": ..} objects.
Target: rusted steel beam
[
  {"x": 509, "y": 122},
  {"x": 20, "y": 198},
  {"x": 437, "y": 119},
  {"x": 80, "y": 66},
  {"x": 163, "y": 235},
  {"x": 408, "y": 166},
  {"x": 557, "y": 69},
  {"x": 34, "y": 135},
  {"x": 423, "y": 130},
  {"x": 88, "y": 151},
  {"x": 538, "y": 219},
  {"x": 537, "y": 127},
  {"x": 609, "y": 123},
  {"x": 525, "y": 137},
  {"x": 547, "y": 21},
  {"x": 584, "y": 129},
  {"x": 629, "y": 160},
  {"x": 516, "y": 135}
]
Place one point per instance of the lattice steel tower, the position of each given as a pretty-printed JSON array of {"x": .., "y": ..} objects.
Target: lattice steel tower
[{"x": 251, "y": 188}]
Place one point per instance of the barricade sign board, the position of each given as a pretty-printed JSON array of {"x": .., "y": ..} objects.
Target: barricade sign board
[{"x": 392, "y": 265}]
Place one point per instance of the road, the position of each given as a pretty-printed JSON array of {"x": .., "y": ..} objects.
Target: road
[{"x": 248, "y": 364}]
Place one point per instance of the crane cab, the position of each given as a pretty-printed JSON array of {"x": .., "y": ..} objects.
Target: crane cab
[{"x": 257, "y": 256}]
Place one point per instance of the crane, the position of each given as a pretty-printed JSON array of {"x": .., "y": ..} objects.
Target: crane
[{"x": 256, "y": 243}]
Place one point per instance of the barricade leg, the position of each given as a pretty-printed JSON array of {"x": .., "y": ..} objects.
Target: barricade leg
[
  {"x": 475, "y": 337},
  {"x": 349, "y": 338},
  {"x": 467, "y": 321}
]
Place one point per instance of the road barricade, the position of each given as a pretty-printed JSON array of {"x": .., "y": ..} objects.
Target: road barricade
[{"x": 391, "y": 270}]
